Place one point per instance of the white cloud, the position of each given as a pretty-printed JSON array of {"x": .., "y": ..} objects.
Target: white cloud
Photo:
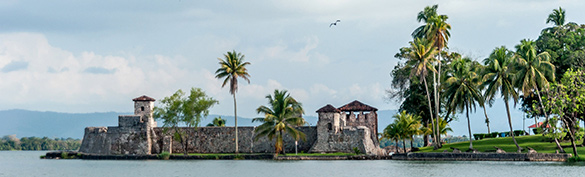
[
  {"x": 305, "y": 53},
  {"x": 61, "y": 81}
]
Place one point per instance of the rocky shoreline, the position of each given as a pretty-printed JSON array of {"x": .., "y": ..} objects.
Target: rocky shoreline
[{"x": 445, "y": 156}]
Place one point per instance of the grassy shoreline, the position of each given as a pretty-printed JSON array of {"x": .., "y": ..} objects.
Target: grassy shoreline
[{"x": 540, "y": 143}]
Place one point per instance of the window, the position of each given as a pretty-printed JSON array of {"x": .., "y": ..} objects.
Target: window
[
  {"x": 329, "y": 126},
  {"x": 142, "y": 108}
]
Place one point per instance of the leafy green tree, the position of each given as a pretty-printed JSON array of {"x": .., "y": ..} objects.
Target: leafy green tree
[
  {"x": 564, "y": 42},
  {"x": 177, "y": 110},
  {"x": 217, "y": 122},
  {"x": 231, "y": 68},
  {"x": 499, "y": 78},
  {"x": 462, "y": 89},
  {"x": 566, "y": 99},
  {"x": 282, "y": 115}
]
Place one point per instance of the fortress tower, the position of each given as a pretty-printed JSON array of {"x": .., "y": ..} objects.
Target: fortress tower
[
  {"x": 344, "y": 129},
  {"x": 143, "y": 107}
]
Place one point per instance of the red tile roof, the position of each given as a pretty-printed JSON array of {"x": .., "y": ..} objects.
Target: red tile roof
[
  {"x": 328, "y": 108},
  {"x": 143, "y": 98},
  {"x": 357, "y": 106}
]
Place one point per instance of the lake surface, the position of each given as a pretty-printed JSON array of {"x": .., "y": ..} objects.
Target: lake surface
[{"x": 27, "y": 163}]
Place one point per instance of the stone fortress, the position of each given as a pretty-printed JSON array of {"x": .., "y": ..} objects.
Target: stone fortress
[{"x": 344, "y": 129}]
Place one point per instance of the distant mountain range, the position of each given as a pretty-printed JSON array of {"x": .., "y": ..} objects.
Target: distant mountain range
[{"x": 25, "y": 123}]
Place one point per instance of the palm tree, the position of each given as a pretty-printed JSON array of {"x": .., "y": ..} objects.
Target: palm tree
[
  {"x": 533, "y": 72},
  {"x": 439, "y": 32},
  {"x": 282, "y": 116},
  {"x": 462, "y": 89},
  {"x": 557, "y": 17},
  {"x": 420, "y": 60},
  {"x": 409, "y": 126},
  {"x": 444, "y": 127},
  {"x": 217, "y": 122},
  {"x": 392, "y": 132},
  {"x": 231, "y": 68},
  {"x": 499, "y": 78},
  {"x": 435, "y": 29}
]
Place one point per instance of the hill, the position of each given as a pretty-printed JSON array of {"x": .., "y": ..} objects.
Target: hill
[{"x": 25, "y": 123}]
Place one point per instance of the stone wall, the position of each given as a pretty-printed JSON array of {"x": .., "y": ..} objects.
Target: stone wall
[
  {"x": 95, "y": 141},
  {"x": 345, "y": 141},
  {"x": 131, "y": 136},
  {"x": 115, "y": 140},
  {"x": 222, "y": 140}
]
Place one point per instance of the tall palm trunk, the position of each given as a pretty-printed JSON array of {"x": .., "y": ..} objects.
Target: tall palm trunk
[
  {"x": 437, "y": 100},
  {"x": 487, "y": 120},
  {"x": 396, "y": 143},
  {"x": 430, "y": 108},
  {"x": 436, "y": 114},
  {"x": 404, "y": 145},
  {"x": 411, "y": 140},
  {"x": 469, "y": 127},
  {"x": 426, "y": 140},
  {"x": 510, "y": 123},
  {"x": 546, "y": 122},
  {"x": 281, "y": 139},
  {"x": 236, "y": 120}
]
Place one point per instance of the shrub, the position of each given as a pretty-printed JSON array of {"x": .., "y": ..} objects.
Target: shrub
[
  {"x": 518, "y": 132},
  {"x": 494, "y": 134},
  {"x": 479, "y": 136},
  {"x": 164, "y": 155},
  {"x": 356, "y": 150}
]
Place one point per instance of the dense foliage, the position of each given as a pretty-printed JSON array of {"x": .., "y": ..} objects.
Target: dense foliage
[
  {"x": 434, "y": 83},
  {"x": 37, "y": 144}
]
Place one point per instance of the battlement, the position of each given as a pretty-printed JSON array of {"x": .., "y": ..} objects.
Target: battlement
[{"x": 129, "y": 120}]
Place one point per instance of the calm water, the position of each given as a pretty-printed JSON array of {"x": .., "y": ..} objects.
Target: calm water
[{"x": 27, "y": 163}]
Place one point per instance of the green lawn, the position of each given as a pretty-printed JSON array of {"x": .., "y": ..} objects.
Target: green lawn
[{"x": 540, "y": 143}]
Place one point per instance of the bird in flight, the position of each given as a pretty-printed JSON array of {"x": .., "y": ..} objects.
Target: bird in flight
[{"x": 334, "y": 23}]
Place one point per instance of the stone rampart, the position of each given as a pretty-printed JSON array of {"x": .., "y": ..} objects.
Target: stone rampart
[{"x": 222, "y": 140}]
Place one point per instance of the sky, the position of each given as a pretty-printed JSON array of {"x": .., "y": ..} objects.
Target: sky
[{"x": 95, "y": 56}]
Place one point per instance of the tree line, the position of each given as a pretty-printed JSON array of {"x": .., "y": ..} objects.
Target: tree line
[
  {"x": 10, "y": 142},
  {"x": 433, "y": 83}
]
